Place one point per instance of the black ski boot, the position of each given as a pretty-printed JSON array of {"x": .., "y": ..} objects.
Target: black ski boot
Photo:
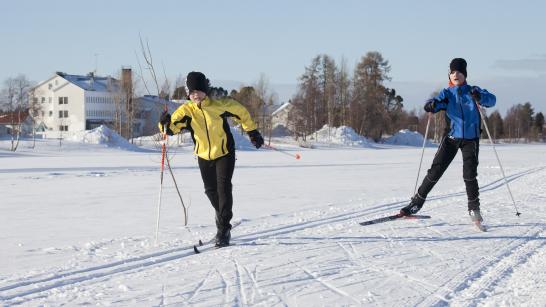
[
  {"x": 222, "y": 237},
  {"x": 414, "y": 206}
]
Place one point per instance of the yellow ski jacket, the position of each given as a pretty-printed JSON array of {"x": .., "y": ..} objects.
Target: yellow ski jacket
[{"x": 208, "y": 125}]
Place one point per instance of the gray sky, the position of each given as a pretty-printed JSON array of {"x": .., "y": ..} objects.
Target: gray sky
[{"x": 503, "y": 41}]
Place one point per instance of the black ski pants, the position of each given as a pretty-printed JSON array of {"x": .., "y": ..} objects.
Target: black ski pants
[
  {"x": 445, "y": 154},
  {"x": 217, "y": 176}
]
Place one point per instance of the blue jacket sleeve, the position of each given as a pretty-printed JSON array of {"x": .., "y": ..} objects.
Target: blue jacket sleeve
[
  {"x": 487, "y": 99},
  {"x": 441, "y": 101}
]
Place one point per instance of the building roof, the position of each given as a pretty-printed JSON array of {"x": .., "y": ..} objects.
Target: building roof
[
  {"x": 91, "y": 82},
  {"x": 9, "y": 118},
  {"x": 282, "y": 107}
]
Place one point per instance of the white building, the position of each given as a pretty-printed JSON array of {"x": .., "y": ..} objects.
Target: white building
[
  {"x": 281, "y": 116},
  {"x": 74, "y": 103}
]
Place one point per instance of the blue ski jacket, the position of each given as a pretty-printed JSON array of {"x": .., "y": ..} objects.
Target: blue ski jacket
[{"x": 464, "y": 117}]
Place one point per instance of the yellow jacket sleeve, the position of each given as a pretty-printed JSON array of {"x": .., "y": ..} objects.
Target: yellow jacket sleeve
[
  {"x": 241, "y": 114},
  {"x": 179, "y": 119}
]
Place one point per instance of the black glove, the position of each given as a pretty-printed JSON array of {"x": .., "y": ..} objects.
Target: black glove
[
  {"x": 256, "y": 138},
  {"x": 165, "y": 122},
  {"x": 430, "y": 104},
  {"x": 475, "y": 93}
]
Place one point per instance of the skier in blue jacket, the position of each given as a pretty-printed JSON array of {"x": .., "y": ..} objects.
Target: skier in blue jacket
[{"x": 463, "y": 118}]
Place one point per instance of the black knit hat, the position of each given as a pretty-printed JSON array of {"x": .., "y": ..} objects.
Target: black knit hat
[
  {"x": 458, "y": 64},
  {"x": 196, "y": 81}
]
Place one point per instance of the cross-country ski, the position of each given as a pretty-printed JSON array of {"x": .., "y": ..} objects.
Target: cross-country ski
[{"x": 393, "y": 218}]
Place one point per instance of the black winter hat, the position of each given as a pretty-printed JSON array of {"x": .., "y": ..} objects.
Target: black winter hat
[
  {"x": 196, "y": 81},
  {"x": 458, "y": 64}
]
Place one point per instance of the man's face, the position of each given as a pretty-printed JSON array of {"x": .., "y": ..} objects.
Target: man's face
[
  {"x": 197, "y": 96},
  {"x": 456, "y": 78}
]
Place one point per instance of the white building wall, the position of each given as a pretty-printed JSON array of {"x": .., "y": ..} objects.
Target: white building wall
[
  {"x": 75, "y": 107},
  {"x": 100, "y": 106},
  {"x": 48, "y": 93}
]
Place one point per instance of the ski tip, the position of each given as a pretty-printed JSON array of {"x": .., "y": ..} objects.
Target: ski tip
[{"x": 195, "y": 249}]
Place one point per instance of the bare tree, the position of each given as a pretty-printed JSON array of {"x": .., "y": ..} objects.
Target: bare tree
[
  {"x": 369, "y": 114},
  {"x": 16, "y": 102},
  {"x": 343, "y": 93},
  {"x": 519, "y": 122},
  {"x": 307, "y": 100},
  {"x": 327, "y": 81},
  {"x": 36, "y": 111},
  {"x": 264, "y": 102},
  {"x": 496, "y": 125},
  {"x": 165, "y": 88},
  {"x": 179, "y": 92}
]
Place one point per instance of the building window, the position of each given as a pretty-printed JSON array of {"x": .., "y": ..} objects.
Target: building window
[
  {"x": 60, "y": 114},
  {"x": 63, "y": 127},
  {"x": 50, "y": 113},
  {"x": 63, "y": 100},
  {"x": 49, "y": 86},
  {"x": 65, "y": 113},
  {"x": 43, "y": 99}
]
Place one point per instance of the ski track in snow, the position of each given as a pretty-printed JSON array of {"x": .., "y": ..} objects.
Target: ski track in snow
[
  {"x": 473, "y": 281},
  {"x": 497, "y": 271},
  {"x": 327, "y": 285},
  {"x": 481, "y": 276},
  {"x": 199, "y": 286}
]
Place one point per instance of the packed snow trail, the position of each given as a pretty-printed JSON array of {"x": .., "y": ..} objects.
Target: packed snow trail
[{"x": 299, "y": 249}]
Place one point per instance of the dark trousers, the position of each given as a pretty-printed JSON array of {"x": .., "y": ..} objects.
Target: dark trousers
[
  {"x": 445, "y": 154},
  {"x": 216, "y": 176}
]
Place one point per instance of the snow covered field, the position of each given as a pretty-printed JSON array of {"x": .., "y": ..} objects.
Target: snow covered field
[{"x": 77, "y": 227}]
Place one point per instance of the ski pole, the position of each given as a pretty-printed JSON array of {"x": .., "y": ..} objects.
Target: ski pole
[
  {"x": 497, "y": 155},
  {"x": 297, "y": 155},
  {"x": 422, "y": 152}
]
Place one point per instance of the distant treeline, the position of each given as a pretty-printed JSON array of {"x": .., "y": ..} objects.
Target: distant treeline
[{"x": 328, "y": 94}]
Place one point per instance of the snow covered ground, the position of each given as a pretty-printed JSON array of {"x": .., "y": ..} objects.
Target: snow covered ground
[{"x": 77, "y": 227}]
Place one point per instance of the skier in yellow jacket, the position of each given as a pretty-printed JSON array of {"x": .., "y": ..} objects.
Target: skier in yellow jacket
[{"x": 207, "y": 121}]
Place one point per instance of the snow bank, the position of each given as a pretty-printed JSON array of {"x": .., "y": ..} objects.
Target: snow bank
[
  {"x": 343, "y": 135},
  {"x": 104, "y": 136},
  {"x": 407, "y": 138}
]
